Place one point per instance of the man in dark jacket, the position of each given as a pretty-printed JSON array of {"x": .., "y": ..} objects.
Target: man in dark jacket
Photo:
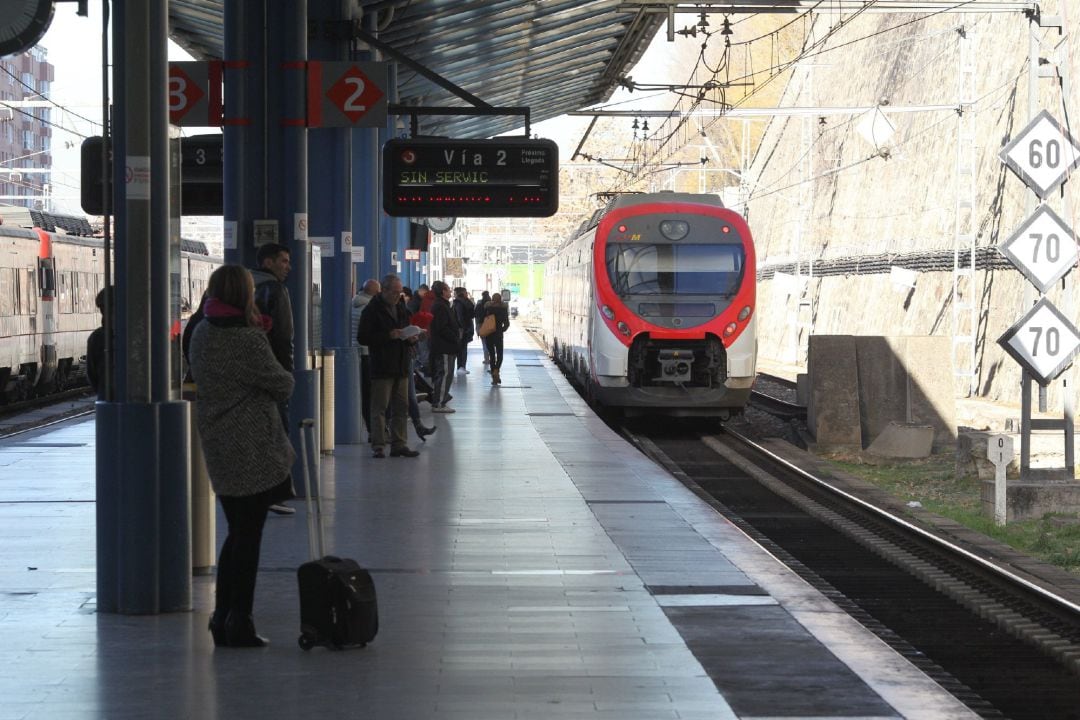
[
  {"x": 463, "y": 311},
  {"x": 381, "y": 328},
  {"x": 272, "y": 299},
  {"x": 445, "y": 342},
  {"x": 95, "y": 347}
]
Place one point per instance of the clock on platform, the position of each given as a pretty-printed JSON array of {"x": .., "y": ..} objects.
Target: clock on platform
[
  {"x": 23, "y": 23},
  {"x": 440, "y": 224}
]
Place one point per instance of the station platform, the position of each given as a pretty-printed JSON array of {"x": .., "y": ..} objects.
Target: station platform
[{"x": 530, "y": 564}]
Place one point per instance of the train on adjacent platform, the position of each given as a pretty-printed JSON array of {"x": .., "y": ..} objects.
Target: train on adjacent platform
[
  {"x": 649, "y": 307},
  {"x": 49, "y": 282}
]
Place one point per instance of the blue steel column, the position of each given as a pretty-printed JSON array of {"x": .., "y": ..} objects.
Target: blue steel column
[
  {"x": 173, "y": 460},
  {"x": 365, "y": 192},
  {"x": 388, "y": 235},
  {"x": 245, "y": 128},
  {"x": 138, "y": 435},
  {"x": 266, "y": 160},
  {"x": 329, "y": 179},
  {"x": 287, "y": 195}
]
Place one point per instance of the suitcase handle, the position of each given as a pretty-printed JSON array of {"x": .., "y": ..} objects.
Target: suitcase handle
[{"x": 316, "y": 542}]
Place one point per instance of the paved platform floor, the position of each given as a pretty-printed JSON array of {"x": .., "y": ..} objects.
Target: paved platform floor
[{"x": 529, "y": 565}]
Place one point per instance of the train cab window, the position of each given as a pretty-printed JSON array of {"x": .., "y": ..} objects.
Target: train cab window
[{"x": 692, "y": 269}]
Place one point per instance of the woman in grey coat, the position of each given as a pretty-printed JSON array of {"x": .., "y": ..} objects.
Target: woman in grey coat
[{"x": 248, "y": 455}]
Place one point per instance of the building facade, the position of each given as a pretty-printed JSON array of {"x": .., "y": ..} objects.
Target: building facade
[{"x": 25, "y": 129}]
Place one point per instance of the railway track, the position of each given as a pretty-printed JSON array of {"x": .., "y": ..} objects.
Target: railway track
[
  {"x": 26, "y": 415},
  {"x": 1003, "y": 644}
]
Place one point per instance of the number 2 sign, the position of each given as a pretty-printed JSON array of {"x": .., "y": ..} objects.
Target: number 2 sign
[{"x": 346, "y": 94}]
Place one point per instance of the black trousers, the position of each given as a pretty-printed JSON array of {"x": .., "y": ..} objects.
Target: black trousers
[
  {"x": 238, "y": 564},
  {"x": 494, "y": 344},
  {"x": 463, "y": 353},
  {"x": 365, "y": 391}
]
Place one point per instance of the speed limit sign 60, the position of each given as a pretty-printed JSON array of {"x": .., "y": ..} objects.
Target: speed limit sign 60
[{"x": 1043, "y": 154}]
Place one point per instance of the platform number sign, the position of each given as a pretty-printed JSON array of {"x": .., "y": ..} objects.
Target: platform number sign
[
  {"x": 1043, "y": 341},
  {"x": 1043, "y": 248},
  {"x": 1043, "y": 154}
]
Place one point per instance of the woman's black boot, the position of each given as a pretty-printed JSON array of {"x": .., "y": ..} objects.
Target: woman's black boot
[
  {"x": 217, "y": 629},
  {"x": 421, "y": 431},
  {"x": 240, "y": 632}
]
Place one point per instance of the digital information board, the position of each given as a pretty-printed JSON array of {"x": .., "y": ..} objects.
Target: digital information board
[{"x": 442, "y": 177}]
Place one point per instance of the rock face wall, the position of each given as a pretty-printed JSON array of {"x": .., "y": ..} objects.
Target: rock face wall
[{"x": 900, "y": 196}]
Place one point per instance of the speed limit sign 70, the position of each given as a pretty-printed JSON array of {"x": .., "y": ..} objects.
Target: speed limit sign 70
[{"x": 1043, "y": 341}]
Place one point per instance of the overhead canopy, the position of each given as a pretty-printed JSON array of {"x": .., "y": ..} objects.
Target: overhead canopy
[{"x": 552, "y": 56}]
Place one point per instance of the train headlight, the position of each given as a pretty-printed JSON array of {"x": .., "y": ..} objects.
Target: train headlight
[
  {"x": 674, "y": 229},
  {"x": 608, "y": 312},
  {"x": 744, "y": 313},
  {"x": 730, "y": 329},
  {"x": 623, "y": 328}
]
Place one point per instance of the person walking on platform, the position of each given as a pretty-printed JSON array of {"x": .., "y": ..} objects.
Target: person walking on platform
[
  {"x": 478, "y": 315},
  {"x": 247, "y": 451},
  {"x": 272, "y": 299},
  {"x": 382, "y": 329},
  {"x": 359, "y": 302},
  {"x": 445, "y": 341},
  {"x": 494, "y": 341},
  {"x": 463, "y": 311}
]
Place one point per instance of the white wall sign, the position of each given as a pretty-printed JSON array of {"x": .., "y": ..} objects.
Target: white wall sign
[
  {"x": 1043, "y": 154},
  {"x": 325, "y": 244},
  {"x": 300, "y": 226},
  {"x": 358, "y": 253},
  {"x": 1043, "y": 341},
  {"x": 346, "y": 242},
  {"x": 1043, "y": 248},
  {"x": 137, "y": 177},
  {"x": 230, "y": 235}
]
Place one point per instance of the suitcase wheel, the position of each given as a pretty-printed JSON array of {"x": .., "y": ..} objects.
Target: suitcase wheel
[{"x": 305, "y": 642}]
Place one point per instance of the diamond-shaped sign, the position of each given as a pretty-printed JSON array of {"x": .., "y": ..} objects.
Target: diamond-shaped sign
[
  {"x": 1043, "y": 154},
  {"x": 354, "y": 93},
  {"x": 1043, "y": 248},
  {"x": 346, "y": 94},
  {"x": 1043, "y": 341}
]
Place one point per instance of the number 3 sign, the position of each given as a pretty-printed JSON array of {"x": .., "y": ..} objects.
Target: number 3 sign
[{"x": 346, "y": 94}]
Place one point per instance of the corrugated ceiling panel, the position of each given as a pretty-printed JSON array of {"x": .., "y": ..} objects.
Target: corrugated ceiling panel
[{"x": 553, "y": 56}]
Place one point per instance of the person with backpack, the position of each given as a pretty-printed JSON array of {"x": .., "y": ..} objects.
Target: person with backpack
[
  {"x": 498, "y": 311},
  {"x": 464, "y": 309}
]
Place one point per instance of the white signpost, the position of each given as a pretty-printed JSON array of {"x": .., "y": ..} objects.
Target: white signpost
[
  {"x": 999, "y": 450},
  {"x": 1043, "y": 341}
]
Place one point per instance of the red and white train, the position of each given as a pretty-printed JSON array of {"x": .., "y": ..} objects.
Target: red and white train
[
  {"x": 48, "y": 285},
  {"x": 650, "y": 306}
]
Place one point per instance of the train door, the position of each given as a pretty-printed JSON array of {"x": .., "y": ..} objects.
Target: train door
[{"x": 46, "y": 283}]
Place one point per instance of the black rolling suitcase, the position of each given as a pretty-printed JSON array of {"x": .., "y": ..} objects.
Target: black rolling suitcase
[{"x": 337, "y": 597}]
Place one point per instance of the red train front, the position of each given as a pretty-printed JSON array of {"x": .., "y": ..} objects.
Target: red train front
[{"x": 650, "y": 306}]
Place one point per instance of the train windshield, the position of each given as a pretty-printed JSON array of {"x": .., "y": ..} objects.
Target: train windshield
[{"x": 706, "y": 269}]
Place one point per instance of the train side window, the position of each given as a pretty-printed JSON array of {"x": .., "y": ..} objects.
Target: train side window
[
  {"x": 65, "y": 293},
  {"x": 7, "y": 292},
  {"x": 16, "y": 293},
  {"x": 30, "y": 290}
]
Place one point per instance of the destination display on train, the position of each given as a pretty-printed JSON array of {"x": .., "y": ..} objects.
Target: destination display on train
[{"x": 442, "y": 177}]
